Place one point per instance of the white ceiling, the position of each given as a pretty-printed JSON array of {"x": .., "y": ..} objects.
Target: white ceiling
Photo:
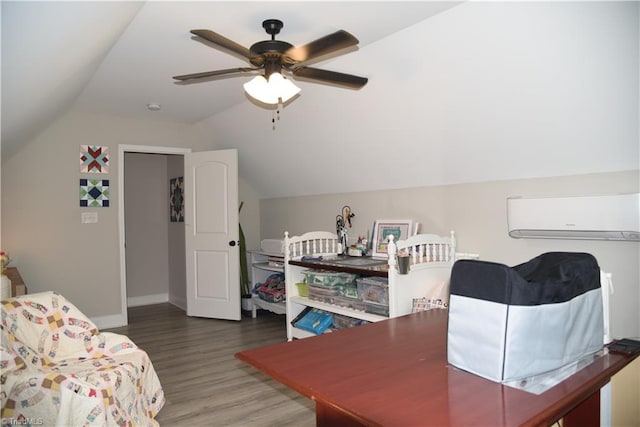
[
  {"x": 457, "y": 92},
  {"x": 116, "y": 57}
]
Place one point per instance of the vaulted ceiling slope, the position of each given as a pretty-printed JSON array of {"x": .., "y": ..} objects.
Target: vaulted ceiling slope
[
  {"x": 458, "y": 91},
  {"x": 115, "y": 57},
  {"x": 50, "y": 51}
]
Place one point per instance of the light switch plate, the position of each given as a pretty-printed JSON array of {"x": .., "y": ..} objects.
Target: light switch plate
[{"x": 89, "y": 217}]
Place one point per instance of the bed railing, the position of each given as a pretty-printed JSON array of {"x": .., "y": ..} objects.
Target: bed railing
[
  {"x": 423, "y": 248},
  {"x": 315, "y": 243}
]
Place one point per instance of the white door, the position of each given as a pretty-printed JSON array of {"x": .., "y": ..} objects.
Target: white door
[{"x": 211, "y": 234}]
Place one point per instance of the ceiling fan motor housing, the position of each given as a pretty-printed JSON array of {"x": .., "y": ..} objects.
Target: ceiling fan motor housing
[
  {"x": 269, "y": 52},
  {"x": 270, "y": 46}
]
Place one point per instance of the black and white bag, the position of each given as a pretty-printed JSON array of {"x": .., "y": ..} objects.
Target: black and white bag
[{"x": 508, "y": 323}]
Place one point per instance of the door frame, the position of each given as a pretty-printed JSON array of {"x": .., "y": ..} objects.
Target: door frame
[{"x": 122, "y": 149}]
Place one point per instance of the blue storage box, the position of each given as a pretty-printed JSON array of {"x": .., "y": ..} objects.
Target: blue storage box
[{"x": 315, "y": 321}]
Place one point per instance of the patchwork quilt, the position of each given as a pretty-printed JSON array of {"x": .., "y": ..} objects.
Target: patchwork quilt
[{"x": 57, "y": 369}]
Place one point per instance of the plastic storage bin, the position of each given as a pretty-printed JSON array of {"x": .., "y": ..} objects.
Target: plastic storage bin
[
  {"x": 344, "y": 322},
  {"x": 329, "y": 279},
  {"x": 322, "y": 291},
  {"x": 374, "y": 289},
  {"x": 354, "y": 304},
  {"x": 315, "y": 321},
  {"x": 349, "y": 290},
  {"x": 379, "y": 309},
  {"x": 321, "y": 298}
]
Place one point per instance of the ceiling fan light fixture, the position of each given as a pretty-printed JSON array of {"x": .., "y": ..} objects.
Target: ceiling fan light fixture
[
  {"x": 283, "y": 87},
  {"x": 276, "y": 90}
]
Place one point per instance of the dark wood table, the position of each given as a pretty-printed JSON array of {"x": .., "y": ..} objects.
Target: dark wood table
[
  {"x": 356, "y": 265},
  {"x": 395, "y": 373}
]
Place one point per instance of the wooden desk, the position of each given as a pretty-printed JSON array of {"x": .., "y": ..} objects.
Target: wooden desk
[{"x": 395, "y": 373}]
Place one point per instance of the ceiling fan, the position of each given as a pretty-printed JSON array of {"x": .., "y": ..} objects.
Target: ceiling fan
[{"x": 276, "y": 55}]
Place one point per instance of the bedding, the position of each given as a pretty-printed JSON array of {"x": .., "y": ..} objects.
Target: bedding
[{"x": 59, "y": 369}]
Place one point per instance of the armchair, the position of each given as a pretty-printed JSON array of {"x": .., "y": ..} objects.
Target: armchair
[{"x": 59, "y": 369}]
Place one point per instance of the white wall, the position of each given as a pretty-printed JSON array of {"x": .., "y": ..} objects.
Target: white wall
[
  {"x": 250, "y": 214},
  {"x": 41, "y": 213},
  {"x": 177, "y": 260},
  {"x": 146, "y": 202},
  {"x": 483, "y": 91},
  {"x": 477, "y": 213},
  {"x": 528, "y": 89}
]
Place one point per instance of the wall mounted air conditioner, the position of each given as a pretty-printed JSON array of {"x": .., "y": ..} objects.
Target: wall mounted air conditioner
[{"x": 606, "y": 217}]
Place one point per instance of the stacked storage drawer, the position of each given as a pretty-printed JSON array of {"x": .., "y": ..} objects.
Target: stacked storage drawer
[
  {"x": 344, "y": 322},
  {"x": 323, "y": 286},
  {"x": 374, "y": 292},
  {"x": 334, "y": 288}
]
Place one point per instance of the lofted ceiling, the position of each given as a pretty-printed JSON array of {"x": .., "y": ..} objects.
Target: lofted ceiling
[
  {"x": 441, "y": 94},
  {"x": 116, "y": 57}
]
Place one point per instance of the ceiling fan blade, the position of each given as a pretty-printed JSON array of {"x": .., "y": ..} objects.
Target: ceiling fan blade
[
  {"x": 324, "y": 45},
  {"x": 223, "y": 42},
  {"x": 341, "y": 79},
  {"x": 195, "y": 76}
]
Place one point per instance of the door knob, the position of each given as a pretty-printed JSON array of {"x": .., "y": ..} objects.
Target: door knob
[{"x": 233, "y": 243}]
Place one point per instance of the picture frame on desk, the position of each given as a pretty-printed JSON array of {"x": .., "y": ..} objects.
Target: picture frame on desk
[{"x": 401, "y": 229}]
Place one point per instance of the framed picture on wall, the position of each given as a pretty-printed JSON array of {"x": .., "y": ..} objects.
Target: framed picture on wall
[
  {"x": 176, "y": 199},
  {"x": 383, "y": 228}
]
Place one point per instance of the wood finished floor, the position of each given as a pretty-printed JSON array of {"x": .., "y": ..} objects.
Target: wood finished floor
[{"x": 204, "y": 384}]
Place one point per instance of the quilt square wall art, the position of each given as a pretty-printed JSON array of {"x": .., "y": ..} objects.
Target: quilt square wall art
[
  {"x": 94, "y": 159},
  {"x": 94, "y": 193},
  {"x": 176, "y": 199}
]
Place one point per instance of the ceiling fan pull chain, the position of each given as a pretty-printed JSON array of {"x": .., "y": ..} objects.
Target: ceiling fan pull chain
[{"x": 276, "y": 113}]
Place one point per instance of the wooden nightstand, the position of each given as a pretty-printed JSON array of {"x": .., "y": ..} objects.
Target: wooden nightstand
[{"x": 17, "y": 285}]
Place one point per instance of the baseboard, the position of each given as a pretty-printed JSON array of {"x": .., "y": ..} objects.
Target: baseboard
[
  {"x": 147, "y": 300},
  {"x": 107, "y": 322},
  {"x": 117, "y": 320},
  {"x": 180, "y": 302}
]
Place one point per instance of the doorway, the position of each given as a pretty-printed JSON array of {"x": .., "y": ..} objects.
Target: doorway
[{"x": 152, "y": 251}]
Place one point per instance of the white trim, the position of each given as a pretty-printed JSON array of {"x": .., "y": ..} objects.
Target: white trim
[
  {"x": 605, "y": 405},
  {"x": 111, "y": 321},
  {"x": 147, "y": 300},
  {"x": 605, "y": 392},
  {"x": 122, "y": 149},
  {"x": 180, "y": 302}
]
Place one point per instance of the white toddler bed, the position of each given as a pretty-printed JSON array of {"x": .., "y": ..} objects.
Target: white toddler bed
[{"x": 431, "y": 260}]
